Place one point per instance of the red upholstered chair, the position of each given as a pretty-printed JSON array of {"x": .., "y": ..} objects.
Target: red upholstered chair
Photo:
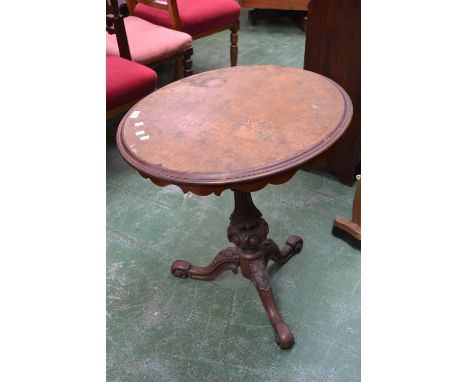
[
  {"x": 151, "y": 44},
  {"x": 126, "y": 81},
  {"x": 198, "y": 18}
]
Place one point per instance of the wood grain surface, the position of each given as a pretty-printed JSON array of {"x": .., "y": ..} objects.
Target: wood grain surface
[
  {"x": 333, "y": 48},
  {"x": 233, "y": 126}
]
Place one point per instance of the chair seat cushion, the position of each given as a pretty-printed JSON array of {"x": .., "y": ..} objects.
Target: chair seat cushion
[
  {"x": 149, "y": 43},
  {"x": 196, "y": 16},
  {"x": 127, "y": 81}
]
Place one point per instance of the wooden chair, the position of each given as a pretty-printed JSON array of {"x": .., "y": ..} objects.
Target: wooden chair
[
  {"x": 151, "y": 44},
  {"x": 126, "y": 81},
  {"x": 198, "y": 18},
  {"x": 350, "y": 230}
]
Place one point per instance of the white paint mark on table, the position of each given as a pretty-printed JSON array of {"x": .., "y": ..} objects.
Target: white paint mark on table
[
  {"x": 139, "y": 124},
  {"x": 144, "y": 137},
  {"x": 140, "y": 132},
  {"x": 135, "y": 114}
]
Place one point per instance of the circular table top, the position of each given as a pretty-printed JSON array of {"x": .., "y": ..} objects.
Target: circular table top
[{"x": 239, "y": 128}]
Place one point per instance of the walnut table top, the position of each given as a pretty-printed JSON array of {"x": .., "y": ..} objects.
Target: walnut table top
[{"x": 233, "y": 128}]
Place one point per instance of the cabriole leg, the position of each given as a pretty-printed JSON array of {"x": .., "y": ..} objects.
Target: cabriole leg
[
  {"x": 226, "y": 260},
  {"x": 249, "y": 232},
  {"x": 259, "y": 276}
]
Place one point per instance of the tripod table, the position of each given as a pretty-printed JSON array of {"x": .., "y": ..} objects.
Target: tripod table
[{"x": 237, "y": 128}]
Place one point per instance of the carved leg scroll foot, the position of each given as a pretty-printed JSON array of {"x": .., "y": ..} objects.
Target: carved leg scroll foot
[
  {"x": 280, "y": 256},
  {"x": 249, "y": 232},
  {"x": 224, "y": 261},
  {"x": 259, "y": 277}
]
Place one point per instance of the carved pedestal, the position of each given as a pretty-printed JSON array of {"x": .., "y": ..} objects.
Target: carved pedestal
[{"x": 252, "y": 251}]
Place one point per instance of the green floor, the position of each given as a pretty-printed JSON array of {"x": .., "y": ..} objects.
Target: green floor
[{"x": 160, "y": 328}]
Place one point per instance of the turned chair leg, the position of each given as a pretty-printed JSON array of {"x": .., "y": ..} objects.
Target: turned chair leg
[
  {"x": 179, "y": 67},
  {"x": 187, "y": 63},
  {"x": 234, "y": 49}
]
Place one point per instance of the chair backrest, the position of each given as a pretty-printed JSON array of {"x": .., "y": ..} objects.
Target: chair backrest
[
  {"x": 165, "y": 5},
  {"x": 115, "y": 25}
]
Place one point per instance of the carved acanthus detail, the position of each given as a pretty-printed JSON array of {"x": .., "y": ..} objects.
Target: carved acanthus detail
[
  {"x": 258, "y": 274},
  {"x": 247, "y": 230}
]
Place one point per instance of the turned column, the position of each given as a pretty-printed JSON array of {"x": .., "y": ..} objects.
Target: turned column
[{"x": 247, "y": 230}]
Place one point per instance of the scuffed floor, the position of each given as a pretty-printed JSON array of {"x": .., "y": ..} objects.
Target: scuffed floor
[{"x": 160, "y": 328}]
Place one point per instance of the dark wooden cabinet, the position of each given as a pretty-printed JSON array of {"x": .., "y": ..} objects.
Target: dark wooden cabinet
[{"x": 333, "y": 48}]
